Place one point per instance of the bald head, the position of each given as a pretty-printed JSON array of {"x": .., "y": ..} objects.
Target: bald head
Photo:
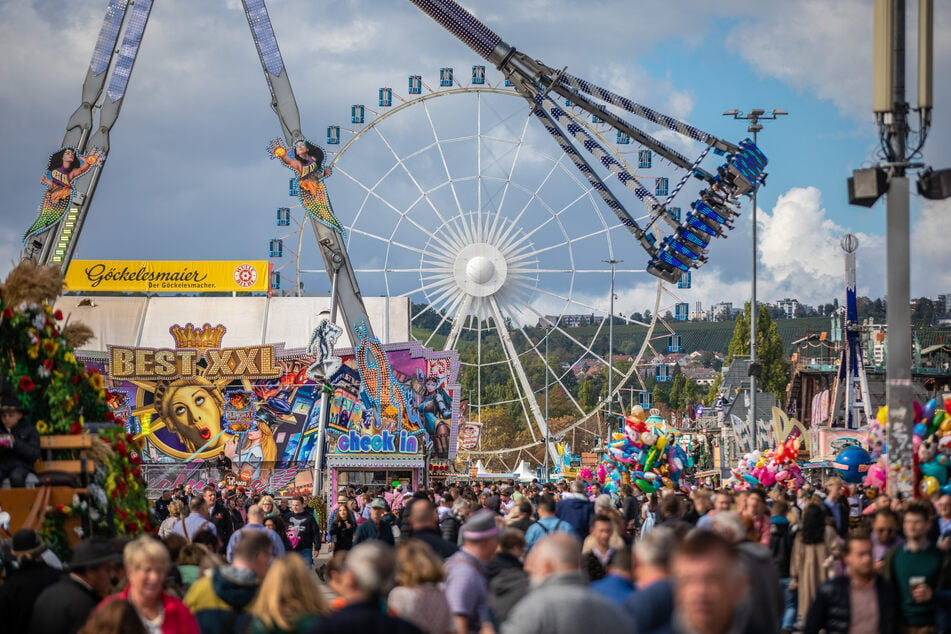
[
  {"x": 555, "y": 553},
  {"x": 423, "y": 515},
  {"x": 255, "y": 514}
]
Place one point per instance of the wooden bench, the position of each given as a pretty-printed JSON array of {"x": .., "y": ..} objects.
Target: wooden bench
[{"x": 22, "y": 503}]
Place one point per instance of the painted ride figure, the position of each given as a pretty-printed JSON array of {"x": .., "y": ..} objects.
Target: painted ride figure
[
  {"x": 307, "y": 161},
  {"x": 64, "y": 167},
  {"x": 436, "y": 410}
]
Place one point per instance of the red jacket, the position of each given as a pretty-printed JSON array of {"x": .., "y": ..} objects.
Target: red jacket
[{"x": 178, "y": 618}]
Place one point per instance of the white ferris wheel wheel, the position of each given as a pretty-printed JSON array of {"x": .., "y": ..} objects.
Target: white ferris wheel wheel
[{"x": 456, "y": 198}]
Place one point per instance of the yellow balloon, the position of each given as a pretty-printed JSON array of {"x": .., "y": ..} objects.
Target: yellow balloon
[
  {"x": 619, "y": 436},
  {"x": 928, "y": 486},
  {"x": 945, "y": 426},
  {"x": 661, "y": 443},
  {"x": 882, "y": 415}
]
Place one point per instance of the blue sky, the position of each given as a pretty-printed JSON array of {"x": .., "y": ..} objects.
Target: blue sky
[{"x": 187, "y": 176}]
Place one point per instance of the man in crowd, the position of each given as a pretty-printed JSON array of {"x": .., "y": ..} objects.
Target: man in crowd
[
  {"x": 722, "y": 501},
  {"x": 547, "y": 522},
  {"x": 885, "y": 535},
  {"x": 837, "y": 505},
  {"x": 860, "y": 603},
  {"x": 160, "y": 509},
  {"x": 196, "y": 521},
  {"x": 940, "y": 532},
  {"x": 218, "y": 600},
  {"x": 617, "y": 585},
  {"x": 560, "y": 601},
  {"x": 31, "y": 576},
  {"x": 576, "y": 509},
  {"x": 466, "y": 575},
  {"x": 302, "y": 530},
  {"x": 916, "y": 570},
  {"x": 506, "y": 503},
  {"x": 63, "y": 607},
  {"x": 594, "y": 562},
  {"x": 652, "y": 603},
  {"x": 508, "y": 581},
  {"x": 375, "y": 527},
  {"x": 19, "y": 443},
  {"x": 218, "y": 513},
  {"x": 255, "y": 523},
  {"x": 450, "y": 524},
  {"x": 423, "y": 519},
  {"x": 363, "y": 582},
  {"x": 710, "y": 586}
]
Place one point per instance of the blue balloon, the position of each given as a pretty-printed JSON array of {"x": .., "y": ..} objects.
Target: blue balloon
[
  {"x": 852, "y": 464},
  {"x": 946, "y": 489},
  {"x": 920, "y": 430},
  {"x": 927, "y": 412}
]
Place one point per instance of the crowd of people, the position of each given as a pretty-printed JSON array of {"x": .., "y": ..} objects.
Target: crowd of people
[{"x": 508, "y": 558}]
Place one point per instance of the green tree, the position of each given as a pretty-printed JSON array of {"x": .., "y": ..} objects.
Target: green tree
[
  {"x": 714, "y": 389},
  {"x": 769, "y": 346}
]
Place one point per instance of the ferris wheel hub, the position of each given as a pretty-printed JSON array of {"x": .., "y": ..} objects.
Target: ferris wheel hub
[{"x": 480, "y": 269}]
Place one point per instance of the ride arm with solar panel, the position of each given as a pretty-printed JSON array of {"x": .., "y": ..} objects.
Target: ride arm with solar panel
[{"x": 685, "y": 245}]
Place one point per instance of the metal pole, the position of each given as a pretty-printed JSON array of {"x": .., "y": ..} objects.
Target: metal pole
[
  {"x": 754, "y": 117},
  {"x": 547, "y": 427},
  {"x": 324, "y": 402},
  {"x": 613, "y": 264},
  {"x": 898, "y": 388}
]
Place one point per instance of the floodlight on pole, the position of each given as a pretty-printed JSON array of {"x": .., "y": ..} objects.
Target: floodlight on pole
[{"x": 754, "y": 117}]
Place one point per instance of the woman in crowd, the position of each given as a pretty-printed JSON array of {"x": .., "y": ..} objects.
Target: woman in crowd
[
  {"x": 290, "y": 599},
  {"x": 189, "y": 563},
  {"x": 174, "y": 518},
  {"x": 815, "y": 548},
  {"x": 276, "y": 524},
  {"x": 119, "y": 617},
  {"x": 269, "y": 507},
  {"x": 342, "y": 529},
  {"x": 418, "y": 597},
  {"x": 147, "y": 562}
]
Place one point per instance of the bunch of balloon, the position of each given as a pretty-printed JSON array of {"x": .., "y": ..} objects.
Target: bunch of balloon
[
  {"x": 932, "y": 444},
  {"x": 645, "y": 454},
  {"x": 766, "y": 468}
]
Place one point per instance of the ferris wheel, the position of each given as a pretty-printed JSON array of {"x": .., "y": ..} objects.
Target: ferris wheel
[{"x": 455, "y": 197}]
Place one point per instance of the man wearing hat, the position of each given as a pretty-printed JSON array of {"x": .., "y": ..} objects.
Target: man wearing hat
[
  {"x": 22, "y": 585},
  {"x": 467, "y": 584},
  {"x": 19, "y": 443},
  {"x": 64, "y": 607},
  {"x": 376, "y": 527}
]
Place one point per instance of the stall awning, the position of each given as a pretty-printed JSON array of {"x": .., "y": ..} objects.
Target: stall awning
[{"x": 376, "y": 461}]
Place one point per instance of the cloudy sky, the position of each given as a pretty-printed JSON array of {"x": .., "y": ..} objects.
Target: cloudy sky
[{"x": 187, "y": 177}]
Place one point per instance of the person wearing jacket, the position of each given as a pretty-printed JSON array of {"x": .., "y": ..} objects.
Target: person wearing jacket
[
  {"x": 220, "y": 601},
  {"x": 780, "y": 544},
  {"x": 859, "y": 603},
  {"x": 19, "y": 443},
  {"x": 450, "y": 524},
  {"x": 576, "y": 509}
]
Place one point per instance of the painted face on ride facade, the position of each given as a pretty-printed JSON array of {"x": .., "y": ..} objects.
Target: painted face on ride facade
[
  {"x": 196, "y": 415},
  {"x": 69, "y": 157},
  {"x": 300, "y": 149}
]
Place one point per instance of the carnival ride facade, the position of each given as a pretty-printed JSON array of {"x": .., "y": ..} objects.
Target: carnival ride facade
[{"x": 492, "y": 259}]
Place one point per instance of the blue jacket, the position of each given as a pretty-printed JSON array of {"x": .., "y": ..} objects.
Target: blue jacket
[{"x": 577, "y": 510}]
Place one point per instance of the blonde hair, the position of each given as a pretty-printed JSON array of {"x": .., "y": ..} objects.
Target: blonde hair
[
  {"x": 416, "y": 564},
  {"x": 264, "y": 500},
  {"x": 289, "y": 591},
  {"x": 175, "y": 508},
  {"x": 145, "y": 549}
]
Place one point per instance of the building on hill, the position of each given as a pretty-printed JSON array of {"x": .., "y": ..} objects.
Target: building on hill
[{"x": 569, "y": 321}]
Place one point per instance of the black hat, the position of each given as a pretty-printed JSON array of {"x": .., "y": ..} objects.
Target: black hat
[
  {"x": 94, "y": 551},
  {"x": 25, "y": 539},
  {"x": 10, "y": 402}
]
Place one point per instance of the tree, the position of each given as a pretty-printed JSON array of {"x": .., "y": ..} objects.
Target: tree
[
  {"x": 713, "y": 392},
  {"x": 769, "y": 345}
]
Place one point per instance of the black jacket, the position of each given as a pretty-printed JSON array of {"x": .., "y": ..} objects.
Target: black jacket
[
  {"x": 449, "y": 527},
  {"x": 26, "y": 446},
  {"x": 341, "y": 531},
  {"x": 831, "y": 609},
  {"x": 442, "y": 547},
  {"x": 19, "y": 592},
  {"x": 72, "y": 602},
  {"x": 221, "y": 518}
]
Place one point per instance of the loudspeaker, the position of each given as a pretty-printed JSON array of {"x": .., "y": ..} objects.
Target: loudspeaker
[
  {"x": 935, "y": 185},
  {"x": 866, "y": 186}
]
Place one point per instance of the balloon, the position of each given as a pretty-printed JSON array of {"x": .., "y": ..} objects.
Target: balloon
[
  {"x": 751, "y": 480},
  {"x": 946, "y": 489},
  {"x": 917, "y": 410},
  {"x": 920, "y": 430},
  {"x": 945, "y": 426},
  {"x": 852, "y": 464},
  {"x": 935, "y": 470},
  {"x": 928, "y": 486},
  {"x": 638, "y": 412},
  {"x": 644, "y": 485},
  {"x": 882, "y": 415},
  {"x": 928, "y": 411}
]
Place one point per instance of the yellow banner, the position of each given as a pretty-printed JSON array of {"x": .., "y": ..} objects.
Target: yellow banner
[{"x": 168, "y": 276}]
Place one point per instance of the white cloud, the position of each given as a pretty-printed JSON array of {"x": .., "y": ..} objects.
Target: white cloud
[{"x": 931, "y": 249}]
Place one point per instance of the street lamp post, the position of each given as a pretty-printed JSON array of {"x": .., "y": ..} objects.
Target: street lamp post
[
  {"x": 613, "y": 264},
  {"x": 754, "y": 117},
  {"x": 547, "y": 427}
]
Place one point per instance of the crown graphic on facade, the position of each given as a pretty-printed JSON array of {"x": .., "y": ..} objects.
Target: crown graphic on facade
[{"x": 202, "y": 338}]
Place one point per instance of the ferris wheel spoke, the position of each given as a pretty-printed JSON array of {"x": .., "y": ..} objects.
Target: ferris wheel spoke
[
  {"x": 442, "y": 158},
  {"x": 457, "y": 322},
  {"x": 515, "y": 222},
  {"x": 511, "y": 173},
  {"x": 445, "y": 316},
  {"x": 549, "y": 369},
  {"x": 387, "y": 240}
]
